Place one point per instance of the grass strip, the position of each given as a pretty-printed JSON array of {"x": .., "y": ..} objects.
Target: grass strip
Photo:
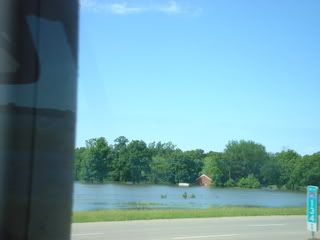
[{"x": 148, "y": 214}]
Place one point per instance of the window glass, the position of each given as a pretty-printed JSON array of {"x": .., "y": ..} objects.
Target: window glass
[{"x": 197, "y": 108}]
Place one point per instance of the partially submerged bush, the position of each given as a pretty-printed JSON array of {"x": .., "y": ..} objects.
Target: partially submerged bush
[
  {"x": 185, "y": 195},
  {"x": 230, "y": 183},
  {"x": 249, "y": 182}
]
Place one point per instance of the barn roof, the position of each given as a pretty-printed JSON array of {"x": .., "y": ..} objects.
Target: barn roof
[{"x": 203, "y": 175}]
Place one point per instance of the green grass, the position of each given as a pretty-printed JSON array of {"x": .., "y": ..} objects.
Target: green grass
[{"x": 148, "y": 214}]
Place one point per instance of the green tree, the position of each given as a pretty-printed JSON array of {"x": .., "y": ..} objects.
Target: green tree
[
  {"x": 307, "y": 170},
  {"x": 287, "y": 161},
  {"x": 242, "y": 158},
  {"x": 139, "y": 159},
  {"x": 161, "y": 149},
  {"x": 96, "y": 165},
  {"x": 197, "y": 154},
  {"x": 131, "y": 161},
  {"x": 212, "y": 167},
  {"x": 270, "y": 171},
  {"x": 243, "y": 163},
  {"x": 80, "y": 156},
  {"x": 184, "y": 167},
  {"x": 120, "y": 164},
  {"x": 160, "y": 166},
  {"x": 120, "y": 143},
  {"x": 160, "y": 171}
]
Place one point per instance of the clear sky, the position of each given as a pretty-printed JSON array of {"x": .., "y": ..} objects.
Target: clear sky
[{"x": 201, "y": 72}]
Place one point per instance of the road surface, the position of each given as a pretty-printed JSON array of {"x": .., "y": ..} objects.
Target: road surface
[{"x": 235, "y": 228}]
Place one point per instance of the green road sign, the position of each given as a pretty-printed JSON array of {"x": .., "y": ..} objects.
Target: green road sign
[{"x": 312, "y": 208}]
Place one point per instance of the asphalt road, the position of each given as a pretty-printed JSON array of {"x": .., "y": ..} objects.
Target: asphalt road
[{"x": 235, "y": 228}]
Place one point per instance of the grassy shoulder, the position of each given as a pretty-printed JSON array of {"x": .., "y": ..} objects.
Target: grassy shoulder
[{"x": 148, "y": 214}]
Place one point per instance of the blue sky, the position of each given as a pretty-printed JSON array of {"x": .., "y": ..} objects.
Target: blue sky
[{"x": 201, "y": 72}]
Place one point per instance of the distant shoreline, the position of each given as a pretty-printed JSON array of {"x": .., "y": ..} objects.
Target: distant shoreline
[{"x": 268, "y": 188}]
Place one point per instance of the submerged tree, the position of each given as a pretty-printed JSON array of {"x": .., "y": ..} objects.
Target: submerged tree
[
  {"x": 96, "y": 163},
  {"x": 242, "y": 158}
]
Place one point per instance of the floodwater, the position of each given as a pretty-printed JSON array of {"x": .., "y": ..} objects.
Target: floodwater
[{"x": 123, "y": 196}]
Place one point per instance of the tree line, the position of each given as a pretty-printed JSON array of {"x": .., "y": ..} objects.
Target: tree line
[{"x": 242, "y": 163}]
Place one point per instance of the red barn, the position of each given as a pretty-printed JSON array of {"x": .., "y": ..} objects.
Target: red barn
[{"x": 204, "y": 180}]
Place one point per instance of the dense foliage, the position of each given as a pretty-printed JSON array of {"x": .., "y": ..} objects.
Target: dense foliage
[{"x": 242, "y": 164}]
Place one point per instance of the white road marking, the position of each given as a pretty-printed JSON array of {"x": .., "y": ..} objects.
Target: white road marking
[
  {"x": 207, "y": 236},
  {"x": 86, "y": 234},
  {"x": 267, "y": 225}
]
